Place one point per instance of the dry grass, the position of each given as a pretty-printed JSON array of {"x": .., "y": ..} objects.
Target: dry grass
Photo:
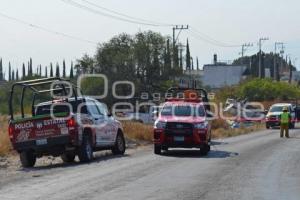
[
  {"x": 220, "y": 129},
  {"x": 230, "y": 132},
  {"x": 5, "y": 145},
  {"x": 219, "y": 123},
  {"x": 138, "y": 131}
]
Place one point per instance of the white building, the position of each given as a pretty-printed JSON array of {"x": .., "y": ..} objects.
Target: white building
[{"x": 220, "y": 75}]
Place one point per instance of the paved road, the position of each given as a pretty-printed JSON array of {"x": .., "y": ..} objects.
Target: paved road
[{"x": 256, "y": 166}]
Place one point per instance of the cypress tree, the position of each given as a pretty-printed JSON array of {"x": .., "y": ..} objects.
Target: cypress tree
[
  {"x": 71, "y": 71},
  {"x": 40, "y": 70},
  {"x": 57, "y": 73},
  {"x": 17, "y": 75},
  {"x": 23, "y": 72},
  {"x": 51, "y": 70},
  {"x": 291, "y": 71},
  {"x": 30, "y": 67},
  {"x": 1, "y": 71},
  {"x": 9, "y": 72},
  {"x": 188, "y": 56},
  {"x": 64, "y": 69},
  {"x": 13, "y": 75},
  {"x": 46, "y": 72}
]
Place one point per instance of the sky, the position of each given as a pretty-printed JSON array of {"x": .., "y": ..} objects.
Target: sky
[{"x": 226, "y": 22}]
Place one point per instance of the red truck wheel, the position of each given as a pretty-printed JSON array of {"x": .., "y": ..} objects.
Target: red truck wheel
[
  {"x": 204, "y": 150},
  {"x": 157, "y": 149},
  {"x": 120, "y": 146},
  {"x": 68, "y": 157},
  {"x": 85, "y": 153},
  {"x": 27, "y": 159}
]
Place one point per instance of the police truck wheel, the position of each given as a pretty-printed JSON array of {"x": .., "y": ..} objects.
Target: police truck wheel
[
  {"x": 85, "y": 153},
  {"x": 157, "y": 149},
  {"x": 27, "y": 158},
  {"x": 165, "y": 148},
  {"x": 120, "y": 146},
  {"x": 68, "y": 157}
]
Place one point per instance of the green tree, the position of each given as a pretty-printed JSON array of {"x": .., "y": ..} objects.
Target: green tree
[
  {"x": 149, "y": 48},
  {"x": 85, "y": 64}
]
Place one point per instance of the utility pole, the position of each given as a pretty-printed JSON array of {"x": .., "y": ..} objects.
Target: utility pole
[
  {"x": 180, "y": 28},
  {"x": 181, "y": 48},
  {"x": 259, "y": 62},
  {"x": 275, "y": 56},
  {"x": 282, "y": 56},
  {"x": 175, "y": 38},
  {"x": 244, "y": 48}
]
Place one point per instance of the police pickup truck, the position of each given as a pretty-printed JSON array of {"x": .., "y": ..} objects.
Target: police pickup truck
[{"x": 63, "y": 127}]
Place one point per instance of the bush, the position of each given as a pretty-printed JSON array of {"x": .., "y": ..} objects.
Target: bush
[
  {"x": 267, "y": 90},
  {"x": 5, "y": 145}
]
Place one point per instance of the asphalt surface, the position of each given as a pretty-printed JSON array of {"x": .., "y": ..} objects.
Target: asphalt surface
[{"x": 256, "y": 166}]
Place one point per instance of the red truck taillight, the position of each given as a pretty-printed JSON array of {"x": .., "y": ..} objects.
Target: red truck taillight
[
  {"x": 11, "y": 131},
  {"x": 71, "y": 123}
]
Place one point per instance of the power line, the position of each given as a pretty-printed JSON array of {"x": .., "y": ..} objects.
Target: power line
[
  {"x": 46, "y": 29},
  {"x": 84, "y": 7},
  {"x": 209, "y": 40},
  {"x": 136, "y": 20},
  {"x": 125, "y": 15}
]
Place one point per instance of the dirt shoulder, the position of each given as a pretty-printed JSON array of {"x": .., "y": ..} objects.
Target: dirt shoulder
[{"x": 12, "y": 171}]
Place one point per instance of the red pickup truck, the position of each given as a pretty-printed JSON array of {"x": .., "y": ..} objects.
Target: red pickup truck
[
  {"x": 184, "y": 123},
  {"x": 63, "y": 127}
]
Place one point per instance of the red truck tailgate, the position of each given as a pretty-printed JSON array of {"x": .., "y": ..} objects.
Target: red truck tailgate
[{"x": 38, "y": 128}]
